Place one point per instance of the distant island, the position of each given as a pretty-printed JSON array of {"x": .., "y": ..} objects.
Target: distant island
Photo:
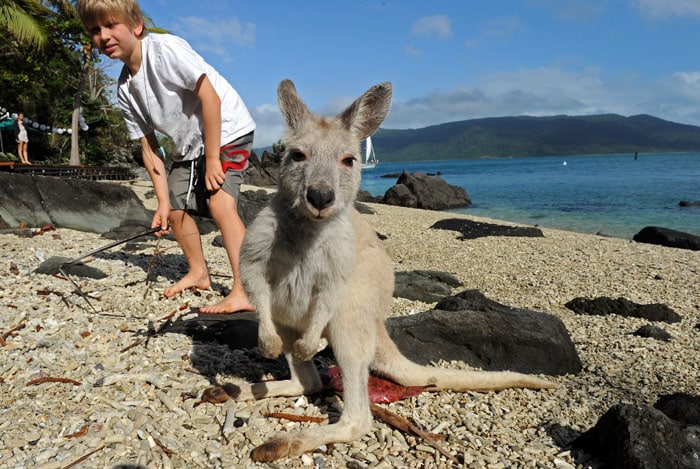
[{"x": 536, "y": 136}]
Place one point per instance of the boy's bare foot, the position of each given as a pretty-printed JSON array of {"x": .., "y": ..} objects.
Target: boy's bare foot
[
  {"x": 233, "y": 303},
  {"x": 188, "y": 281}
]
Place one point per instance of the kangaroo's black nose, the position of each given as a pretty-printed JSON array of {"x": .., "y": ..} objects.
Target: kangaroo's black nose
[{"x": 320, "y": 199}]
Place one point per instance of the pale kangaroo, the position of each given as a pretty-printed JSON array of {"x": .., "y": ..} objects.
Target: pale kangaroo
[{"x": 314, "y": 268}]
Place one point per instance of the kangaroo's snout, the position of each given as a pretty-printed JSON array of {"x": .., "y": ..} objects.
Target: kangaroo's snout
[{"x": 320, "y": 198}]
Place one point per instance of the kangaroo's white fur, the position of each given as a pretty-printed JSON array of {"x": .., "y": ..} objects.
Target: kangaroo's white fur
[{"x": 314, "y": 268}]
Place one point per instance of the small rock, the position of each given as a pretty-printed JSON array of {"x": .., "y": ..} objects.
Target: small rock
[{"x": 653, "y": 332}]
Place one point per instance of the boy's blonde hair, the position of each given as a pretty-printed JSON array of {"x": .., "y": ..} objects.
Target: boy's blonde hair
[{"x": 92, "y": 12}]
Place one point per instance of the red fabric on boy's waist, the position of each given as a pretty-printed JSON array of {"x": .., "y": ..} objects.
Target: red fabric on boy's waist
[
  {"x": 234, "y": 165},
  {"x": 231, "y": 153}
]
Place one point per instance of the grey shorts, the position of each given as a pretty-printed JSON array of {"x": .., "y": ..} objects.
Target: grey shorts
[{"x": 186, "y": 179}]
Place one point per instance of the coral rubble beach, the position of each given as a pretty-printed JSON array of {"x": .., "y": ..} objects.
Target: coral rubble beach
[{"x": 129, "y": 398}]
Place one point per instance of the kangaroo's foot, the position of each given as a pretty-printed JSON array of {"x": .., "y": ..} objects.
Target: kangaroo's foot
[{"x": 296, "y": 443}]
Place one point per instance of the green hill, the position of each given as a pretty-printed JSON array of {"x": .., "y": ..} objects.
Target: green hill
[{"x": 536, "y": 136}]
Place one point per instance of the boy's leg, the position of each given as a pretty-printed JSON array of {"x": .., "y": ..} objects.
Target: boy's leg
[
  {"x": 222, "y": 206},
  {"x": 182, "y": 185},
  {"x": 223, "y": 209},
  {"x": 187, "y": 236}
]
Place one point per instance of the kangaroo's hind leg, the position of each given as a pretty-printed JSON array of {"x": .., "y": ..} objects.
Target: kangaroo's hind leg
[
  {"x": 353, "y": 352},
  {"x": 304, "y": 377}
]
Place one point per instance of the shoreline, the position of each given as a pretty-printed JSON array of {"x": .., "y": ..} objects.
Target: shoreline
[
  {"x": 130, "y": 398},
  {"x": 606, "y": 194}
]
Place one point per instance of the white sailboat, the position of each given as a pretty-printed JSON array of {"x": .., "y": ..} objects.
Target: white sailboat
[{"x": 370, "y": 159}]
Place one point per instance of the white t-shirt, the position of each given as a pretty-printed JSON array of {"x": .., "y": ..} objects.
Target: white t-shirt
[{"x": 160, "y": 97}]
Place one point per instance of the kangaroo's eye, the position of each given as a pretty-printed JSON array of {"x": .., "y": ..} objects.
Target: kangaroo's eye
[
  {"x": 348, "y": 160},
  {"x": 297, "y": 155}
]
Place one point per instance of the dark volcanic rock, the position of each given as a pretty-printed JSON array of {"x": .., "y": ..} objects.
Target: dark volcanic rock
[
  {"x": 474, "y": 229},
  {"x": 129, "y": 228},
  {"x": 653, "y": 332},
  {"x": 364, "y": 208},
  {"x": 364, "y": 196},
  {"x": 494, "y": 337},
  {"x": 603, "y": 306},
  {"x": 427, "y": 286},
  {"x": 668, "y": 237},
  {"x": 78, "y": 204},
  {"x": 250, "y": 203},
  {"x": 264, "y": 171},
  {"x": 680, "y": 406},
  {"x": 470, "y": 299},
  {"x": 418, "y": 190},
  {"x": 113, "y": 210},
  {"x": 641, "y": 438}
]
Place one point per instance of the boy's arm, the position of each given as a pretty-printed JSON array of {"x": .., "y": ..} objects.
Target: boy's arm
[
  {"x": 211, "y": 113},
  {"x": 155, "y": 166}
]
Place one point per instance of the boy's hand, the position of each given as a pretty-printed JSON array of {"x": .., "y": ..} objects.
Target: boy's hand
[
  {"x": 160, "y": 218},
  {"x": 214, "y": 176}
]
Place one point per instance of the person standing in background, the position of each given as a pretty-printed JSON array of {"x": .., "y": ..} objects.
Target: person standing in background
[{"x": 22, "y": 140}]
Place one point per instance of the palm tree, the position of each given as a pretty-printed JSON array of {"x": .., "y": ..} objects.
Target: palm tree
[{"x": 23, "y": 20}]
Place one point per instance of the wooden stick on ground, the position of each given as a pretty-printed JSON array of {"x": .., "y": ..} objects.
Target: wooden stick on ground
[
  {"x": 13, "y": 329},
  {"x": 84, "y": 458},
  {"x": 406, "y": 426},
  {"x": 52, "y": 379},
  {"x": 294, "y": 417}
]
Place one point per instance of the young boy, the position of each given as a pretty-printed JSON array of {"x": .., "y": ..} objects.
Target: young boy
[{"x": 166, "y": 86}]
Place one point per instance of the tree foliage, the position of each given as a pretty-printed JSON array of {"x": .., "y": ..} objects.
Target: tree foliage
[
  {"x": 22, "y": 20},
  {"x": 43, "y": 66}
]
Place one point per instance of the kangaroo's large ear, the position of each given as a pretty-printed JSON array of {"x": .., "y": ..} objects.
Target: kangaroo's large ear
[
  {"x": 366, "y": 114},
  {"x": 293, "y": 108}
]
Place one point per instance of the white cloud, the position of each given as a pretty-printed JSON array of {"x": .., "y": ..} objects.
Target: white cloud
[
  {"x": 216, "y": 37},
  {"x": 436, "y": 25},
  {"x": 554, "y": 91},
  {"x": 537, "y": 92},
  {"x": 690, "y": 78},
  {"x": 269, "y": 125},
  {"x": 543, "y": 91},
  {"x": 676, "y": 97},
  {"x": 503, "y": 27},
  {"x": 667, "y": 8}
]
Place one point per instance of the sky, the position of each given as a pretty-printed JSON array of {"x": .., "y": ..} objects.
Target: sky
[{"x": 450, "y": 60}]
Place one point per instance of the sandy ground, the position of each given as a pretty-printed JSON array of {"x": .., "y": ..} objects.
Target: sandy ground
[{"x": 128, "y": 401}]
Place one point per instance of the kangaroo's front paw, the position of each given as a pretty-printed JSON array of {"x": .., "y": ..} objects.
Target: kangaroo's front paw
[
  {"x": 305, "y": 348},
  {"x": 270, "y": 344}
]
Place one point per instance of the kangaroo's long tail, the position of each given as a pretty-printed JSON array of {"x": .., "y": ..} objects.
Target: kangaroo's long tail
[{"x": 391, "y": 363}]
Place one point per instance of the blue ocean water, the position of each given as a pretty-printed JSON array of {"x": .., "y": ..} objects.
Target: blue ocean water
[{"x": 616, "y": 195}]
